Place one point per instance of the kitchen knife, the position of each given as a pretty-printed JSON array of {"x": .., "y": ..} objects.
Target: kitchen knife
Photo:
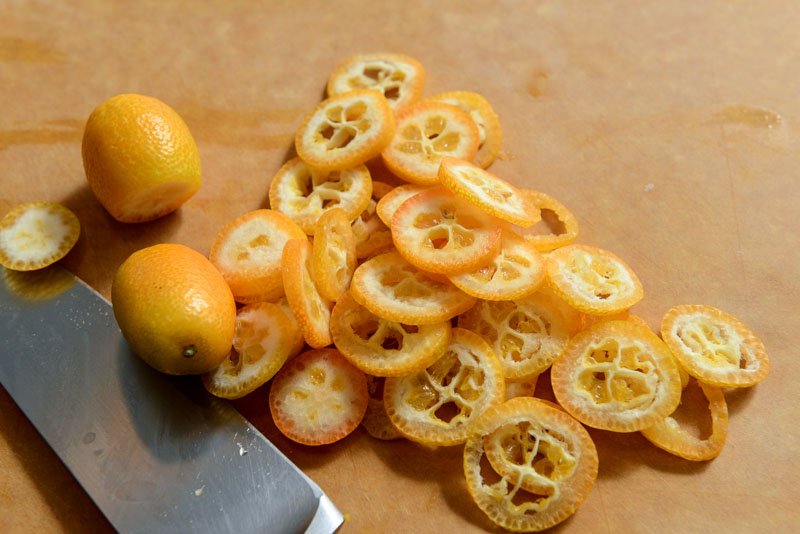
[{"x": 155, "y": 453}]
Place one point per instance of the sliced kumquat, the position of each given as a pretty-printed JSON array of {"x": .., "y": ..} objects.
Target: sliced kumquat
[
  {"x": 380, "y": 347},
  {"x": 674, "y": 438},
  {"x": 372, "y": 236},
  {"x": 483, "y": 189},
  {"x": 318, "y": 397},
  {"x": 37, "y": 234},
  {"x": 303, "y": 194},
  {"x": 617, "y": 376},
  {"x": 390, "y": 287},
  {"x": 295, "y": 332},
  {"x": 517, "y": 270},
  {"x": 334, "y": 254},
  {"x": 521, "y": 388},
  {"x": 593, "y": 280},
  {"x": 262, "y": 343},
  {"x": 398, "y": 77},
  {"x": 545, "y": 464},
  {"x": 376, "y": 421},
  {"x": 387, "y": 206},
  {"x": 487, "y": 121},
  {"x": 437, "y": 405},
  {"x": 527, "y": 334},
  {"x": 557, "y": 226},
  {"x": 311, "y": 310},
  {"x": 247, "y": 251},
  {"x": 441, "y": 233},
  {"x": 345, "y": 130},
  {"x": 427, "y": 132},
  {"x": 588, "y": 319},
  {"x": 715, "y": 347}
]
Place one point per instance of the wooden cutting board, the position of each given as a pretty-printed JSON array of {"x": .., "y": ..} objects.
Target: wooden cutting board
[{"x": 670, "y": 129}]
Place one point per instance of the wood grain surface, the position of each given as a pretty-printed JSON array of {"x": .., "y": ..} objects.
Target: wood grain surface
[{"x": 669, "y": 128}]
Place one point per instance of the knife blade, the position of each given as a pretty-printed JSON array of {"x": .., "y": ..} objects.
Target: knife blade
[{"x": 155, "y": 453}]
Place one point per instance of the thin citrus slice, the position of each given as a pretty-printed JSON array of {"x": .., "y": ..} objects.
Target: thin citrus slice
[
  {"x": 542, "y": 447},
  {"x": 376, "y": 422},
  {"x": 427, "y": 132},
  {"x": 674, "y": 438},
  {"x": 247, "y": 251},
  {"x": 517, "y": 270},
  {"x": 527, "y": 334},
  {"x": 345, "y": 130},
  {"x": 334, "y": 254},
  {"x": 295, "y": 332},
  {"x": 262, "y": 343},
  {"x": 387, "y": 206},
  {"x": 588, "y": 319},
  {"x": 37, "y": 234},
  {"x": 715, "y": 347},
  {"x": 437, "y": 405},
  {"x": 487, "y": 121},
  {"x": 311, "y": 310},
  {"x": 398, "y": 77},
  {"x": 558, "y": 226},
  {"x": 372, "y": 236},
  {"x": 521, "y": 388},
  {"x": 318, "y": 397},
  {"x": 593, "y": 280},
  {"x": 483, "y": 189},
  {"x": 304, "y": 194},
  {"x": 617, "y": 376},
  {"x": 381, "y": 347},
  {"x": 392, "y": 288},
  {"x": 441, "y": 233}
]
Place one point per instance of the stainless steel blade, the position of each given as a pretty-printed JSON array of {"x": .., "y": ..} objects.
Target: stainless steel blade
[{"x": 156, "y": 453}]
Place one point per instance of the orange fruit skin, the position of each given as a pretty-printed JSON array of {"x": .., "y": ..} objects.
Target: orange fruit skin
[
  {"x": 140, "y": 159},
  {"x": 169, "y": 299}
]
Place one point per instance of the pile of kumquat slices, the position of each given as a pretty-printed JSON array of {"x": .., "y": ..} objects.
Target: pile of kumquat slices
[{"x": 432, "y": 307}]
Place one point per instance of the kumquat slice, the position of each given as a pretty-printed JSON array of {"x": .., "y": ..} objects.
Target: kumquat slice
[
  {"x": 516, "y": 271},
  {"x": 376, "y": 422},
  {"x": 427, "y": 132},
  {"x": 436, "y": 406},
  {"x": 37, "y": 234},
  {"x": 398, "y": 77},
  {"x": 715, "y": 347},
  {"x": 303, "y": 194},
  {"x": 557, "y": 226},
  {"x": 318, "y": 398},
  {"x": 493, "y": 195},
  {"x": 345, "y": 130},
  {"x": 247, "y": 251},
  {"x": 441, "y": 233},
  {"x": 380, "y": 347},
  {"x": 295, "y": 332},
  {"x": 372, "y": 235},
  {"x": 334, "y": 254},
  {"x": 487, "y": 121},
  {"x": 527, "y": 334},
  {"x": 674, "y": 438},
  {"x": 545, "y": 467},
  {"x": 593, "y": 280},
  {"x": 387, "y": 206},
  {"x": 262, "y": 343},
  {"x": 311, "y": 310},
  {"x": 521, "y": 388},
  {"x": 390, "y": 287},
  {"x": 617, "y": 376}
]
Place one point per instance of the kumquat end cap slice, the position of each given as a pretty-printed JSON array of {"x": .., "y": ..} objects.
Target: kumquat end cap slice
[
  {"x": 247, "y": 251},
  {"x": 391, "y": 288},
  {"x": 426, "y": 132},
  {"x": 487, "y": 121},
  {"x": 318, "y": 397},
  {"x": 398, "y": 77},
  {"x": 440, "y": 233},
  {"x": 36, "y": 234},
  {"x": 593, "y": 280},
  {"x": 488, "y": 192},
  {"x": 545, "y": 465},
  {"x": 715, "y": 347},
  {"x": 346, "y": 130},
  {"x": 437, "y": 405},
  {"x": 670, "y": 436},
  {"x": 304, "y": 194},
  {"x": 262, "y": 343},
  {"x": 557, "y": 226},
  {"x": 617, "y": 376},
  {"x": 380, "y": 347},
  {"x": 312, "y": 312}
]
